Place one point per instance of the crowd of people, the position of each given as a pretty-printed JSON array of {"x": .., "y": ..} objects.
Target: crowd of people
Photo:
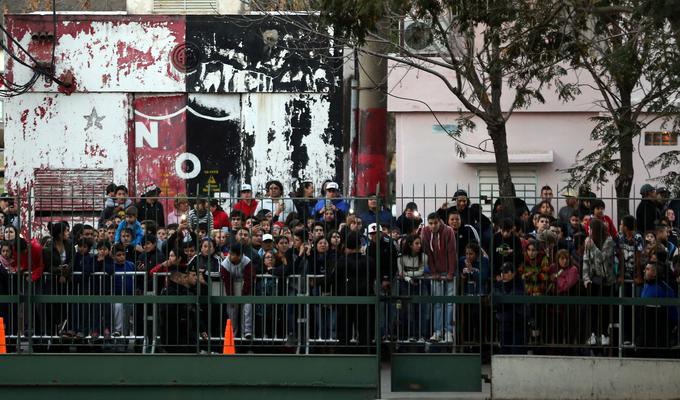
[{"x": 287, "y": 245}]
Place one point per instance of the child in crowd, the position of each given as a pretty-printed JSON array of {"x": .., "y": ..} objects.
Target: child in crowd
[
  {"x": 200, "y": 214},
  {"x": 534, "y": 269},
  {"x": 130, "y": 223},
  {"x": 123, "y": 283},
  {"x": 511, "y": 317},
  {"x": 6, "y": 257}
]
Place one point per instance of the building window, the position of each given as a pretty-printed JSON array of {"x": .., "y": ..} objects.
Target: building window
[
  {"x": 525, "y": 182},
  {"x": 661, "y": 138},
  {"x": 185, "y": 6}
]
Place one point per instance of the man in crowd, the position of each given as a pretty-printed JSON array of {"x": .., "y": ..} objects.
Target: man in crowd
[
  {"x": 647, "y": 212},
  {"x": 546, "y": 195},
  {"x": 149, "y": 208},
  {"x": 439, "y": 243}
]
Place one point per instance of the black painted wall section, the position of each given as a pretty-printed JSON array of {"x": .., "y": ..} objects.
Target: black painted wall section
[
  {"x": 271, "y": 52},
  {"x": 260, "y": 54},
  {"x": 218, "y": 145}
]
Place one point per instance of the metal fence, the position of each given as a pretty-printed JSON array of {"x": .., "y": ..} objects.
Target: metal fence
[{"x": 303, "y": 296}]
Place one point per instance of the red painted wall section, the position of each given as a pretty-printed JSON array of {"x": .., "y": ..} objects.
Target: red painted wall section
[
  {"x": 371, "y": 167},
  {"x": 159, "y": 139},
  {"x": 104, "y": 52}
]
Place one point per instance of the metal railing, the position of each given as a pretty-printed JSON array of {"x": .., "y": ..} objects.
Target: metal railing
[{"x": 313, "y": 310}]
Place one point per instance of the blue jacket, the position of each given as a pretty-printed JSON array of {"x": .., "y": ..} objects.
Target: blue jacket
[
  {"x": 339, "y": 203},
  {"x": 136, "y": 228},
  {"x": 122, "y": 284},
  {"x": 382, "y": 217},
  {"x": 660, "y": 289}
]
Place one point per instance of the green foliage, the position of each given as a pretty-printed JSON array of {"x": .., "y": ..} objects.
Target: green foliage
[
  {"x": 632, "y": 59},
  {"x": 669, "y": 164}
]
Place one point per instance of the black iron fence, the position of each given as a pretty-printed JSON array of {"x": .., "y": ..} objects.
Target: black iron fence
[{"x": 324, "y": 280}]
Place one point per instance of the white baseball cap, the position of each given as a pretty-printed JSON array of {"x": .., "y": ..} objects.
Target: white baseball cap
[
  {"x": 373, "y": 228},
  {"x": 267, "y": 236},
  {"x": 246, "y": 188},
  {"x": 331, "y": 185}
]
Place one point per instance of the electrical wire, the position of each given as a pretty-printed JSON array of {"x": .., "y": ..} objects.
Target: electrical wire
[{"x": 35, "y": 68}]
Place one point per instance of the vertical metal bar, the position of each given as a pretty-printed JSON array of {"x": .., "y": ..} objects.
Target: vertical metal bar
[
  {"x": 378, "y": 343},
  {"x": 29, "y": 299}
]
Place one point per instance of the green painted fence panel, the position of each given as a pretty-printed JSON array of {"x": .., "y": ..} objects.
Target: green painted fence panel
[
  {"x": 436, "y": 372},
  {"x": 126, "y": 376}
]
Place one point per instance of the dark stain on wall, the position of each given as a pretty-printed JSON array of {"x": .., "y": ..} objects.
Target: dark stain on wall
[{"x": 255, "y": 53}]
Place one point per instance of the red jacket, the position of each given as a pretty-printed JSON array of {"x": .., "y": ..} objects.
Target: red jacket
[
  {"x": 37, "y": 266},
  {"x": 248, "y": 280},
  {"x": 440, "y": 248},
  {"x": 611, "y": 228},
  {"x": 248, "y": 210},
  {"x": 220, "y": 219}
]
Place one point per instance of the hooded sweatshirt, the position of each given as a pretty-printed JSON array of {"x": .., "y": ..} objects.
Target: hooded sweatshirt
[{"x": 440, "y": 248}]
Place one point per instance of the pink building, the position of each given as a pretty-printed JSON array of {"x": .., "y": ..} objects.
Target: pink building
[{"x": 541, "y": 139}]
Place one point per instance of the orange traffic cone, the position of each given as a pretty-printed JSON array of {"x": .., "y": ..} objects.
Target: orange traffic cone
[
  {"x": 228, "y": 339},
  {"x": 3, "y": 347}
]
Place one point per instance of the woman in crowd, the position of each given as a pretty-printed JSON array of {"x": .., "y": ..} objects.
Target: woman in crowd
[
  {"x": 598, "y": 278},
  {"x": 180, "y": 210}
]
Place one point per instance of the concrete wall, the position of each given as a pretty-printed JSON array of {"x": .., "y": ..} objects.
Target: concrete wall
[{"x": 566, "y": 378}]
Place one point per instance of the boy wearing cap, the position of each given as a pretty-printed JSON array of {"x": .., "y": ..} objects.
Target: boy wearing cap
[
  {"x": 275, "y": 202},
  {"x": 267, "y": 245},
  {"x": 647, "y": 212},
  {"x": 572, "y": 205},
  {"x": 334, "y": 200},
  {"x": 511, "y": 317},
  {"x": 149, "y": 208},
  {"x": 247, "y": 205}
]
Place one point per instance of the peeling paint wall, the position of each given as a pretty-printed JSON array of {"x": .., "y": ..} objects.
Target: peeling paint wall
[
  {"x": 289, "y": 138},
  {"x": 214, "y": 101},
  {"x": 119, "y": 54},
  {"x": 87, "y": 131},
  {"x": 260, "y": 54}
]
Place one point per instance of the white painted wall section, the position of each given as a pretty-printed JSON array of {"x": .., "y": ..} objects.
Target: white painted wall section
[
  {"x": 271, "y": 118},
  {"x": 81, "y": 131},
  {"x": 571, "y": 378}
]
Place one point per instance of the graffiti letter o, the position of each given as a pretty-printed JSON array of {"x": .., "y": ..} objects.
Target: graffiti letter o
[{"x": 194, "y": 161}]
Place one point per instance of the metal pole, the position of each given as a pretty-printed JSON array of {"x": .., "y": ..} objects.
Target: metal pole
[
  {"x": 377, "y": 303},
  {"x": 29, "y": 299}
]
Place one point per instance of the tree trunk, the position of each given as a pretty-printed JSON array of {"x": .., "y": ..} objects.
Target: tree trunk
[
  {"x": 499, "y": 139},
  {"x": 624, "y": 181},
  {"x": 627, "y": 128}
]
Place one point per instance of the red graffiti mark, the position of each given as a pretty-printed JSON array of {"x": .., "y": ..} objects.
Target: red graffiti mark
[
  {"x": 24, "y": 117},
  {"x": 129, "y": 57},
  {"x": 95, "y": 151},
  {"x": 105, "y": 79},
  {"x": 40, "y": 111}
]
